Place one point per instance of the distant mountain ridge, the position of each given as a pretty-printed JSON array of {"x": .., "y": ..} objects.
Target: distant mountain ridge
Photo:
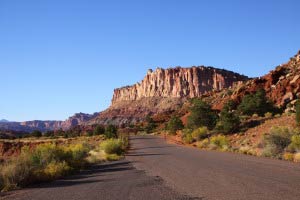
[
  {"x": 3, "y": 121},
  {"x": 29, "y": 126}
]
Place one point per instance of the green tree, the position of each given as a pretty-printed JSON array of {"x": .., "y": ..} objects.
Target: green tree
[
  {"x": 111, "y": 131},
  {"x": 36, "y": 133},
  {"x": 229, "y": 121},
  {"x": 256, "y": 103},
  {"x": 298, "y": 112},
  {"x": 201, "y": 114},
  {"x": 150, "y": 124},
  {"x": 99, "y": 130},
  {"x": 174, "y": 125}
]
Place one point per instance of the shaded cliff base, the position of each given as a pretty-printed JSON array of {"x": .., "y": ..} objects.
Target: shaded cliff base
[{"x": 132, "y": 112}]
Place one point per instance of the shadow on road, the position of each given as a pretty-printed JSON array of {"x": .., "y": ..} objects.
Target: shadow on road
[
  {"x": 145, "y": 154},
  {"x": 85, "y": 175},
  {"x": 158, "y": 147}
]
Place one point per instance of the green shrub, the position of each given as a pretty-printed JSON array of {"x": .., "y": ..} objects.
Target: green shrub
[
  {"x": 150, "y": 124},
  {"x": 203, "y": 144},
  {"x": 268, "y": 114},
  {"x": 99, "y": 130},
  {"x": 200, "y": 133},
  {"x": 256, "y": 104},
  {"x": 295, "y": 143},
  {"x": 298, "y": 112},
  {"x": 16, "y": 172},
  {"x": 229, "y": 121},
  {"x": 219, "y": 141},
  {"x": 112, "y": 146},
  {"x": 113, "y": 157},
  {"x": 201, "y": 114},
  {"x": 174, "y": 125},
  {"x": 76, "y": 154},
  {"x": 188, "y": 139},
  {"x": 111, "y": 131},
  {"x": 56, "y": 170},
  {"x": 36, "y": 133},
  {"x": 297, "y": 157},
  {"x": 278, "y": 139},
  {"x": 288, "y": 156},
  {"x": 270, "y": 151},
  {"x": 44, "y": 154}
]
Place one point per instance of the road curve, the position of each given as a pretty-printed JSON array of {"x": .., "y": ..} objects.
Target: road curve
[{"x": 216, "y": 175}]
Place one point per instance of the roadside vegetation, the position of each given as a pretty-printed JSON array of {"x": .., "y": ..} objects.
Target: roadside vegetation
[
  {"x": 41, "y": 159},
  {"x": 234, "y": 129}
]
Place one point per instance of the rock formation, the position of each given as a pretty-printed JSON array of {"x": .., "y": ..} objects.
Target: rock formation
[
  {"x": 164, "y": 91},
  {"x": 178, "y": 83},
  {"x": 282, "y": 86}
]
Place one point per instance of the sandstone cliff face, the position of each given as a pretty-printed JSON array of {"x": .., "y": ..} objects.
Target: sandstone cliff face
[{"x": 178, "y": 83}]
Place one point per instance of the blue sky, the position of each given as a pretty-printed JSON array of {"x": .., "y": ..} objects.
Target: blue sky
[{"x": 59, "y": 57}]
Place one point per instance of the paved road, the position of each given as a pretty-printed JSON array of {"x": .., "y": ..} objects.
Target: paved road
[
  {"x": 216, "y": 175},
  {"x": 169, "y": 168},
  {"x": 111, "y": 181}
]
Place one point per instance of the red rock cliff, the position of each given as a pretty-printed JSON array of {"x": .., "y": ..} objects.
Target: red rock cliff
[{"x": 178, "y": 82}]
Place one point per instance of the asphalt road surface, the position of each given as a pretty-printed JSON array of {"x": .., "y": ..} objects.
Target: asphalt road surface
[{"x": 156, "y": 170}]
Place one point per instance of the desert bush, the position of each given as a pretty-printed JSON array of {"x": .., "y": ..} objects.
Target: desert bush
[
  {"x": 111, "y": 131},
  {"x": 112, "y": 146},
  {"x": 288, "y": 156},
  {"x": 219, "y": 142},
  {"x": 150, "y": 126},
  {"x": 112, "y": 157},
  {"x": 174, "y": 125},
  {"x": 99, "y": 130},
  {"x": 200, "y": 133},
  {"x": 16, "y": 172},
  {"x": 229, "y": 121},
  {"x": 277, "y": 115},
  {"x": 297, "y": 157},
  {"x": 188, "y": 139},
  {"x": 44, "y": 154},
  {"x": 56, "y": 170},
  {"x": 277, "y": 141},
  {"x": 270, "y": 151},
  {"x": 76, "y": 154},
  {"x": 203, "y": 143},
  {"x": 268, "y": 114},
  {"x": 45, "y": 162},
  {"x": 36, "y": 133},
  {"x": 298, "y": 112},
  {"x": 295, "y": 143},
  {"x": 256, "y": 104},
  {"x": 280, "y": 137},
  {"x": 201, "y": 115}
]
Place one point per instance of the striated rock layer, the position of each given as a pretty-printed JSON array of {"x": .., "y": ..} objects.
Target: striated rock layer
[{"x": 178, "y": 83}]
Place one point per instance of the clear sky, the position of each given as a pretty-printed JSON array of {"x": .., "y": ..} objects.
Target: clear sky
[{"x": 59, "y": 57}]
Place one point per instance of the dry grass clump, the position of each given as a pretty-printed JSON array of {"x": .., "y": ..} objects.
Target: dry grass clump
[
  {"x": 219, "y": 142},
  {"x": 297, "y": 157},
  {"x": 45, "y": 162}
]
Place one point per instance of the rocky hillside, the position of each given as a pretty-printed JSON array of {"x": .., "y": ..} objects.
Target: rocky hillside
[
  {"x": 29, "y": 126},
  {"x": 164, "y": 91},
  {"x": 282, "y": 86}
]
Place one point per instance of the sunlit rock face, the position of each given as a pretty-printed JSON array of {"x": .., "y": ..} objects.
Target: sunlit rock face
[{"x": 178, "y": 83}]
